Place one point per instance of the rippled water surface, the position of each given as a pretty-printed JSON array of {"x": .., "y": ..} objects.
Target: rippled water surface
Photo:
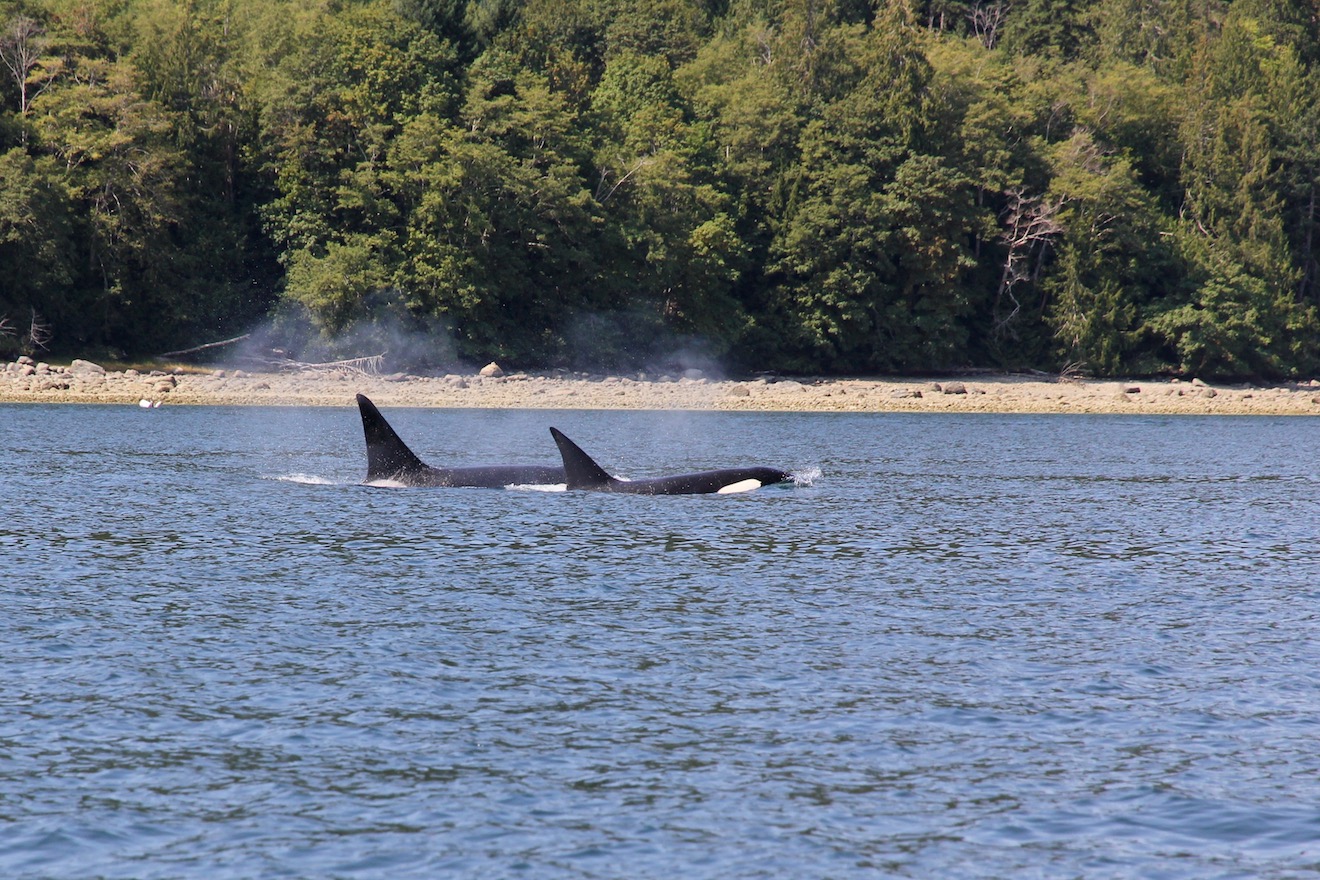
[{"x": 1002, "y": 646}]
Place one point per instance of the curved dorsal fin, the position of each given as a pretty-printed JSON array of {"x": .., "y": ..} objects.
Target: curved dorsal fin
[
  {"x": 580, "y": 470},
  {"x": 387, "y": 455}
]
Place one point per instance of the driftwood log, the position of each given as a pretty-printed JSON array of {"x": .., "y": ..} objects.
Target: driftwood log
[
  {"x": 369, "y": 365},
  {"x": 209, "y": 345}
]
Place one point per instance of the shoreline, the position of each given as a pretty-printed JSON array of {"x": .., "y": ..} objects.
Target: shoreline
[{"x": 82, "y": 382}]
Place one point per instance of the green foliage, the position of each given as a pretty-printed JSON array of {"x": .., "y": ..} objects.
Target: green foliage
[
  {"x": 1235, "y": 323},
  {"x": 447, "y": 19},
  {"x": 123, "y": 175},
  {"x": 819, "y": 185},
  {"x": 499, "y": 238},
  {"x": 668, "y": 30},
  {"x": 1151, "y": 34},
  {"x": 1052, "y": 28},
  {"x": 677, "y": 253},
  {"x": 337, "y": 285},
  {"x": 1112, "y": 261},
  {"x": 874, "y": 254},
  {"x": 36, "y": 232}
]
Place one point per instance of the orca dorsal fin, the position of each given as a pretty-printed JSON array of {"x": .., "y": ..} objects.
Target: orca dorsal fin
[
  {"x": 580, "y": 470},
  {"x": 387, "y": 455}
]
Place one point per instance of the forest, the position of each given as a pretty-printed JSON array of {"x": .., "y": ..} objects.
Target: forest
[{"x": 1095, "y": 187}]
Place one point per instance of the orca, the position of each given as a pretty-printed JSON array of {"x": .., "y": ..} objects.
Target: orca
[
  {"x": 581, "y": 472},
  {"x": 389, "y": 460}
]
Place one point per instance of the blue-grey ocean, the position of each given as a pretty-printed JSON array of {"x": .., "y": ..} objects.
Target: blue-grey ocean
[{"x": 972, "y": 646}]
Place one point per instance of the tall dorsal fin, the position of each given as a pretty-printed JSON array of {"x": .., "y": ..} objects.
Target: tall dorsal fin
[
  {"x": 580, "y": 470},
  {"x": 387, "y": 455}
]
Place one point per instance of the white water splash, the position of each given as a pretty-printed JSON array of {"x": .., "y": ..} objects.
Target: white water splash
[
  {"x": 537, "y": 487},
  {"x": 306, "y": 479},
  {"x": 806, "y": 477}
]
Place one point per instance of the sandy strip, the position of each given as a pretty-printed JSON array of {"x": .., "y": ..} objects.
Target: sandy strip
[{"x": 82, "y": 382}]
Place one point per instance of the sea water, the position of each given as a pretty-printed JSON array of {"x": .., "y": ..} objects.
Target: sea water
[{"x": 965, "y": 646}]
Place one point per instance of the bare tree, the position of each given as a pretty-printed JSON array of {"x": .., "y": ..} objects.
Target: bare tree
[
  {"x": 39, "y": 334},
  {"x": 21, "y": 47},
  {"x": 986, "y": 21},
  {"x": 1030, "y": 225}
]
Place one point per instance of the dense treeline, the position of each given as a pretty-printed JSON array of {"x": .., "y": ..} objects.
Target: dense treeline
[{"x": 1112, "y": 186}]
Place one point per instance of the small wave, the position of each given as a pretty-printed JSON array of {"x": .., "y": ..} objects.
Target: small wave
[
  {"x": 386, "y": 484},
  {"x": 806, "y": 477},
  {"x": 306, "y": 479},
  {"x": 536, "y": 487}
]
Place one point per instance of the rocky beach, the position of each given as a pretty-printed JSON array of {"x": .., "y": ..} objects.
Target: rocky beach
[{"x": 81, "y": 381}]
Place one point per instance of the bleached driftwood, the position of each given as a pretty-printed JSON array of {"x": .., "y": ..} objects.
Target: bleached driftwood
[
  {"x": 367, "y": 366},
  {"x": 194, "y": 350}
]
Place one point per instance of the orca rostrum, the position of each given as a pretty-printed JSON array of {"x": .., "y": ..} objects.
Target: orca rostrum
[
  {"x": 582, "y": 472},
  {"x": 389, "y": 460}
]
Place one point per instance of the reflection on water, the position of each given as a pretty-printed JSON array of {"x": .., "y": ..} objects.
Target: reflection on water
[{"x": 987, "y": 646}]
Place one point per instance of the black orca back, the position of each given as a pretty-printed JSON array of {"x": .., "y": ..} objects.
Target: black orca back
[
  {"x": 388, "y": 457},
  {"x": 390, "y": 460},
  {"x": 580, "y": 470}
]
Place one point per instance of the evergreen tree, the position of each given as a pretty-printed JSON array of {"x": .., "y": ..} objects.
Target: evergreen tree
[
  {"x": 1052, "y": 28},
  {"x": 873, "y": 252}
]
